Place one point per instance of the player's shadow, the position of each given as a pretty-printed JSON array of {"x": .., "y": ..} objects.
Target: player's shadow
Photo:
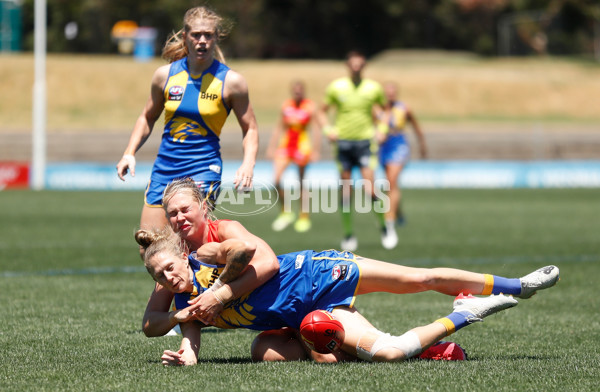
[
  {"x": 204, "y": 331},
  {"x": 233, "y": 360},
  {"x": 475, "y": 358},
  {"x": 527, "y": 357},
  {"x": 221, "y": 361}
]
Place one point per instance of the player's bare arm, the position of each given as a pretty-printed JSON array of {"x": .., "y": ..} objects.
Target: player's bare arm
[
  {"x": 418, "y": 132},
  {"x": 189, "y": 349},
  {"x": 145, "y": 122},
  {"x": 157, "y": 320},
  {"x": 381, "y": 118},
  {"x": 235, "y": 254},
  {"x": 261, "y": 267},
  {"x": 316, "y": 129},
  {"x": 323, "y": 120},
  {"x": 235, "y": 93}
]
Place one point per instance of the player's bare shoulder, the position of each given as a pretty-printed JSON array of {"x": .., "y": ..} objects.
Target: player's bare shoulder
[
  {"x": 235, "y": 84},
  {"x": 229, "y": 229},
  {"x": 161, "y": 75}
]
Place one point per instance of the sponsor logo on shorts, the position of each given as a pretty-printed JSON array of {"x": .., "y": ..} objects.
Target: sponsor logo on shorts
[
  {"x": 215, "y": 168},
  {"x": 176, "y": 93},
  {"x": 339, "y": 272},
  {"x": 299, "y": 261}
]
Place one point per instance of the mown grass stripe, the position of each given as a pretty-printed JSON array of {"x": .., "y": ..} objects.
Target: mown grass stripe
[{"x": 417, "y": 262}]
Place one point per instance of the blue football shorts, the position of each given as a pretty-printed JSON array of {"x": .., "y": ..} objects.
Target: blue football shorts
[{"x": 395, "y": 150}]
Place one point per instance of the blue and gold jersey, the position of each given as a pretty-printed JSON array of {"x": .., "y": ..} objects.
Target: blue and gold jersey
[
  {"x": 398, "y": 116},
  {"x": 195, "y": 113},
  {"x": 306, "y": 281}
]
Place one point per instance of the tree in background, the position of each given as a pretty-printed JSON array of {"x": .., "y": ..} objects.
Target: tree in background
[{"x": 328, "y": 29}]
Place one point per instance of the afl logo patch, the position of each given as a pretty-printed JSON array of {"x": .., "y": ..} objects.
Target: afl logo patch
[
  {"x": 339, "y": 271},
  {"x": 176, "y": 93}
]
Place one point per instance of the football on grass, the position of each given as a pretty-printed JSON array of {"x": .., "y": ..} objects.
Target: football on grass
[{"x": 322, "y": 332}]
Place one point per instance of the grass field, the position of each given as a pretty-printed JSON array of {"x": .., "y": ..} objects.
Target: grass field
[{"x": 73, "y": 292}]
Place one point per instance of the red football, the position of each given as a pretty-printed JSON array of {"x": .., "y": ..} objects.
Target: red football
[{"x": 321, "y": 332}]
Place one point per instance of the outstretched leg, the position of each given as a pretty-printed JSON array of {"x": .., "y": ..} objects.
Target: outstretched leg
[
  {"x": 368, "y": 343},
  {"x": 379, "y": 276}
]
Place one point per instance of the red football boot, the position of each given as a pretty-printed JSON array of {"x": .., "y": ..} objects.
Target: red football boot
[{"x": 444, "y": 351}]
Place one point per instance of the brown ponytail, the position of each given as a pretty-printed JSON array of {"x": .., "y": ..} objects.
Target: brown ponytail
[{"x": 157, "y": 241}]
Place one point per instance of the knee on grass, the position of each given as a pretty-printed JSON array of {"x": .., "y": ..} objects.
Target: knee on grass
[
  {"x": 383, "y": 347},
  {"x": 277, "y": 345}
]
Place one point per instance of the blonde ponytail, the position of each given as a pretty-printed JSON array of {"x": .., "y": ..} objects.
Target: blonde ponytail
[{"x": 175, "y": 48}]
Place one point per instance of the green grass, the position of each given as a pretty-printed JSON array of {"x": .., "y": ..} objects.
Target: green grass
[{"x": 73, "y": 292}]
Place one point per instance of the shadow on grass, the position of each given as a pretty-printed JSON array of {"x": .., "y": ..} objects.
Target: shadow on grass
[
  {"x": 231, "y": 360},
  {"x": 513, "y": 358},
  {"x": 247, "y": 360},
  {"x": 204, "y": 331}
]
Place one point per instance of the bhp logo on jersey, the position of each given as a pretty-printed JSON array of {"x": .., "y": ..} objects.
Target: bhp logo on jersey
[
  {"x": 261, "y": 198},
  {"x": 209, "y": 96},
  {"x": 176, "y": 93}
]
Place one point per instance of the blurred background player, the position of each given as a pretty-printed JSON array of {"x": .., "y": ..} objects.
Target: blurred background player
[
  {"x": 295, "y": 146},
  {"x": 394, "y": 152},
  {"x": 355, "y": 100},
  {"x": 197, "y": 91}
]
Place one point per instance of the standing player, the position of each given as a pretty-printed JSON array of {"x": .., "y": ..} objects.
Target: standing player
[
  {"x": 355, "y": 99},
  {"x": 196, "y": 91},
  {"x": 394, "y": 152},
  {"x": 295, "y": 146}
]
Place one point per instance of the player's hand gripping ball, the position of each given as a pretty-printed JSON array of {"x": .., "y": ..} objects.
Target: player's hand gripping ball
[{"x": 321, "y": 332}]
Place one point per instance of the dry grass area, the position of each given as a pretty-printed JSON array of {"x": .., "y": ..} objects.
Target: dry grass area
[{"x": 106, "y": 93}]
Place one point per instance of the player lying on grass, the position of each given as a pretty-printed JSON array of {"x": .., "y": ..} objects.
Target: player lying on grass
[
  {"x": 285, "y": 298},
  {"x": 307, "y": 280}
]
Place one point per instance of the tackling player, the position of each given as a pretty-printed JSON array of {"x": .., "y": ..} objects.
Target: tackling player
[{"x": 304, "y": 281}]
